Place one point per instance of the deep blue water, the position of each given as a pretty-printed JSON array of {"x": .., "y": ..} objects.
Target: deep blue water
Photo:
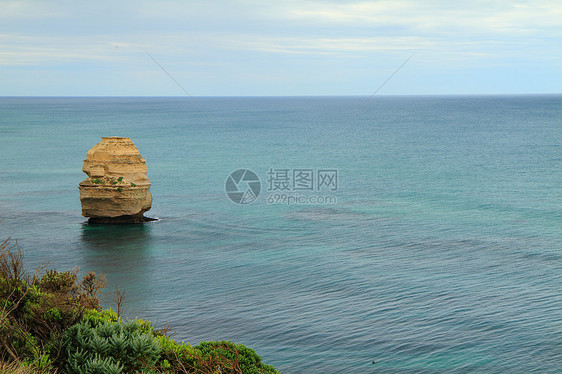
[{"x": 443, "y": 252}]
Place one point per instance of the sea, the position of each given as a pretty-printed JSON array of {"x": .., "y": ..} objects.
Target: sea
[{"x": 355, "y": 234}]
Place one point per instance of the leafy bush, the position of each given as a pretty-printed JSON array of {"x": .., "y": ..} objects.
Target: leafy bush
[
  {"x": 95, "y": 317},
  {"x": 177, "y": 358},
  {"x": 35, "y": 311},
  {"x": 21, "y": 338},
  {"x": 209, "y": 358},
  {"x": 233, "y": 358},
  {"x": 53, "y": 323},
  {"x": 53, "y": 281},
  {"x": 118, "y": 347}
]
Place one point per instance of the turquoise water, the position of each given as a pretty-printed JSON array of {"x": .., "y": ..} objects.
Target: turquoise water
[{"x": 442, "y": 254}]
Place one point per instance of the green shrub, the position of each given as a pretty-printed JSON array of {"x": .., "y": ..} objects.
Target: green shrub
[
  {"x": 53, "y": 323},
  {"x": 177, "y": 358},
  {"x": 233, "y": 358},
  {"x": 110, "y": 348},
  {"x": 14, "y": 338},
  {"x": 53, "y": 314},
  {"x": 209, "y": 358},
  {"x": 95, "y": 317},
  {"x": 120, "y": 179},
  {"x": 96, "y": 181},
  {"x": 53, "y": 281},
  {"x": 41, "y": 364},
  {"x": 35, "y": 311}
]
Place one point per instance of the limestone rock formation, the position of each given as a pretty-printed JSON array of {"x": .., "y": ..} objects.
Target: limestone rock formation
[{"x": 117, "y": 188}]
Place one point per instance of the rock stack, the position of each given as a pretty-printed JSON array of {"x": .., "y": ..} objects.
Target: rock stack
[{"x": 117, "y": 189}]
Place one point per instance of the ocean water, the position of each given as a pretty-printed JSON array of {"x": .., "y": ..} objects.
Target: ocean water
[{"x": 439, "y": 250}]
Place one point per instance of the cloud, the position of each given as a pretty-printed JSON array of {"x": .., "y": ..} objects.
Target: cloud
[
  {"x": 28, "y": 9},
  {"x": 227, "y": 38},
  {"x": 17, "y": 50},
  {"x": 474, "y": 17}
]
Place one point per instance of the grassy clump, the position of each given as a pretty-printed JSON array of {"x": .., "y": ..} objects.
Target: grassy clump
[
  {"x": 52, "y": 322},
  {"x": 16, "y": 367},
  {"x": 225, "y": 356},
  {"x": 36, "y": 310}
]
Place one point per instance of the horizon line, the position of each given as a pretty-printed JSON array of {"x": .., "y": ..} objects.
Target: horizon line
[{"x": 283, "y": 96}]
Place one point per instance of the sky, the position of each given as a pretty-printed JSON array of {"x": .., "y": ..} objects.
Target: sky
[{"x": 279, "y": 48}]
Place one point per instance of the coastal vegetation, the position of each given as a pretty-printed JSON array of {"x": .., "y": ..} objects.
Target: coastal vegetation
[{"x": 52, "y": 322}]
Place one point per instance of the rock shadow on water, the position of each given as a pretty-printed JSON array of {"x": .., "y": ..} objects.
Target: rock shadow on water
[
  {"x": 115, "y": 237},
  {"x": 121, "y": 252}
]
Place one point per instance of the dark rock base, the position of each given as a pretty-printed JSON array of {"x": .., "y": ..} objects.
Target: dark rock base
[{"x": 121, "y": 219}]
